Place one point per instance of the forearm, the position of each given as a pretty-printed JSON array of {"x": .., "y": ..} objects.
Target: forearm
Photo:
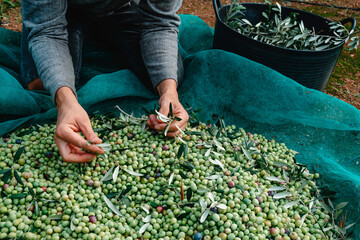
[
  {"x": 159, "y": 44},
  {"x": 48, "y": 42},
  {"x": 54, "y": 65}
]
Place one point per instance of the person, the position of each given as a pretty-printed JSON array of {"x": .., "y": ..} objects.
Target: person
[{"x": 142, "y": 32}]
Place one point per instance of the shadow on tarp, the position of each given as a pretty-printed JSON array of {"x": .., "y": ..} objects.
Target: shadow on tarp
[{"x": 325, "y": 130}]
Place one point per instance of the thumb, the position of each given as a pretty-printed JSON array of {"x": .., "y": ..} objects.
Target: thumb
[{"x": 89, "y": 133}]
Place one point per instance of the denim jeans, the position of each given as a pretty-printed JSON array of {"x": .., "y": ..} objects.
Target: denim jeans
[{"x": 143, "y": 35}]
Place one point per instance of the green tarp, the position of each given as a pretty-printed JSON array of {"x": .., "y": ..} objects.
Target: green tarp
[{"x": 323, "y": 129}]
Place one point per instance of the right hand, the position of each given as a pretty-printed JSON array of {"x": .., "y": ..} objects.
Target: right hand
[{"x": 73, "y": 119}]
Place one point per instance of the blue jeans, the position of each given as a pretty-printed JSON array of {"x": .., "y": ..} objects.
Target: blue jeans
[{"x": 128, "y": 30}]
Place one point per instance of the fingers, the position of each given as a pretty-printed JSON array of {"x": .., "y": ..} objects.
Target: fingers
[
  {"x": 69, "y": 136},
  {"x": 71, "y": 153},
  {"x": 89, "y": 132}
]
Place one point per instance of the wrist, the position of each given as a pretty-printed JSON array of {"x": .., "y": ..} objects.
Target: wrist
[
  {"x": 65, "y": 97},
  {"x": 167, "y": 87}
]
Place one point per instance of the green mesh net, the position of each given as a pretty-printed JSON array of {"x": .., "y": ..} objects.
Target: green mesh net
[{"x": 323, "y": 129}]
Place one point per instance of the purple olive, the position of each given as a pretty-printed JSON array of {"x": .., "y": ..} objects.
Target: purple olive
[
  {"x": 90, "y": 182},
  {"x": 260, "y": 199},
  {"x": 49, "y": 154},
  {"x": 165, "y": 147},
  {"x": 92, "y": 219},
  {"x": 214, "y": 209},
  {"x": 231, "y": 184}
]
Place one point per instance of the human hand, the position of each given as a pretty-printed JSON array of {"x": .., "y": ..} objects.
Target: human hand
[
  {"x": 73, "y": 119},
  {"x": 168, "y": 94}
]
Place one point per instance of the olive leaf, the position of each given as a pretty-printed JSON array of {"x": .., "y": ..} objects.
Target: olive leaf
[
  {"x": 276, "y": 188},
  {"x": 105, "y": 146},
  {"x": 17, "y": 177},
  {"x": 213, "y": 177},
  {"x": 202, "y": 190},
  {"x": 55, "y": 217},
  {"x": 154, "y": 204},
  {"x": 37, "y": 211},
  {"x": 145, "y": 209},
  {"x": 171, "y": 178},
  {"x": 189, "y": 194},
  {"x": 349, "y": 226},
  {"x": 341, "y": 205},
  {"x": 5, "y": 170},
  {"x": 19, "y": 195},
  {"x": 247, "y": 153},
  {"x": 147, "y": 219},
  {"x": 126, "y": 201},
  {"x": 111, "y": 206},
  {"x": 183, "y": 215},
  {"x": 116, "y": 173},
  {"x": 189, "y": 164},
  {"x": 221, "y": 206},
  {"x": 133, "y": 173},
  {"x": 108, "y": 176},
  {"x": 290, "y": 204},
  {"x": 328, "y": 228},
  {"x": 183, "y": 175},
  {"x": 217, "y": 162},
  {"x": 325, "y": 206},
  {"x": 18, "y": 153},
  {"x": 204, "y": 215},
  {"x": 143, "y": 228},
  {"x": 281, "y": 195},
  {"x": 72, "y": 225},
  {"x": 272, "y": 178}
]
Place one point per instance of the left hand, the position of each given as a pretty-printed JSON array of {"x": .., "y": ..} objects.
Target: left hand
[{"x": 168, "y": 94}]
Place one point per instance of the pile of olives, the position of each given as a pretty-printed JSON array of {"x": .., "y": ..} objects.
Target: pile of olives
[{"x": 215, "y": 182}]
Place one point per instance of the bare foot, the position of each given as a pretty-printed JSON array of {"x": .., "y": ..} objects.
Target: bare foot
[{"x": 36, "y": 84}]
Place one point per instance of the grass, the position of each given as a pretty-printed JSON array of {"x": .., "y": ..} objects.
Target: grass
[{"x": 5, "y": 6}]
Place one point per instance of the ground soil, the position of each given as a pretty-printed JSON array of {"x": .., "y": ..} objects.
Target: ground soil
[{"x": 345, "y": 82}]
